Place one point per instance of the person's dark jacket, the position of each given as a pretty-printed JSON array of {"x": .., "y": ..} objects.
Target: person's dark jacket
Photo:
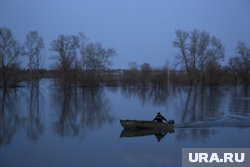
[{"x": 159, "y": 118}]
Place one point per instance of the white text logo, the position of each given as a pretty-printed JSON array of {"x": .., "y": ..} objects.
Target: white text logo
[{"x": 214, "y": 157}]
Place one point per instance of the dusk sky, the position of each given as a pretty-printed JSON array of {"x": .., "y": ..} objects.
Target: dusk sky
[{"x": 140, "y": 30}]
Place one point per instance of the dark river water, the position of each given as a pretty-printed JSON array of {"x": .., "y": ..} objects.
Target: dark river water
[{"x": 51, "y": 126}]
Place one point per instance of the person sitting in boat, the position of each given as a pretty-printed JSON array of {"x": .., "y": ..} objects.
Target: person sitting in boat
[{"x": 159, "y": 118}]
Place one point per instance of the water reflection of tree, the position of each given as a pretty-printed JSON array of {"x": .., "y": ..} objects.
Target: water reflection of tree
[
  {"x": 154, "y": 94},
  {"x": 34, "y": 123},
  {"x": 10, "y": 121},
  {"x": 14, "y": 115},
  {"x": 80, "y": 110},
  {"x": 240, "y": 101},
  {"x": 200, "y": 104}
]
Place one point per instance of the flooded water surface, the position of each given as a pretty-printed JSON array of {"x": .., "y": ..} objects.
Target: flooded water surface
[{"x": 48, "y": 125}]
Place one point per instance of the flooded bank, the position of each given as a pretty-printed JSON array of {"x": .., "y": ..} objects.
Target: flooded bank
[{"x": 48, "y": 125}]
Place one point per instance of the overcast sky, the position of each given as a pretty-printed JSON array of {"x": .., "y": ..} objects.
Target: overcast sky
[{"x": 140, "y": 30}]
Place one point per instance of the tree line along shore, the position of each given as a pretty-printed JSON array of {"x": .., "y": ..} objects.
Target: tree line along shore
[{"x": 80, "y": 62}]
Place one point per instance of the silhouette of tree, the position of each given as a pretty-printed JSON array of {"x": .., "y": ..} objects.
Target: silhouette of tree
[
  {"x": 32, "y": 49},
  {"x": 240, "y": 64},
  {"x": 96, "y": 61},
  {"x": 10, "y": 50},
  {"x": 66, "y": 56},
  {"x": 145, "y": 72},
  {"x": 197, "y": 49}
]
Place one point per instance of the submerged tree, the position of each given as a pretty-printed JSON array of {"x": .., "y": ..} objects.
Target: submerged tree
[
  {"x": 145, "y": 73},
  {"x": 130, "y": 76},
  {"x": 240, "y": 64},
  {"x": 10, "y": 50},
  {"x": 32, "y": 48},
  {"x": 83, "y": 41},
  {"x": 97, "y": 58},
  {"x": 66, "y": 55},
  {"x": 79, "y": 59},
  {"x": 96, "y": 62},
  {"x": 197, "y": 49}
]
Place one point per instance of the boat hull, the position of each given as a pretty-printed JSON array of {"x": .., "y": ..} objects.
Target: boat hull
[{"x": 136, "y": 124}]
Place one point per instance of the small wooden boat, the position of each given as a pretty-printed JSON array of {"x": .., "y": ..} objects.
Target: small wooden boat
[{"x": 136, "y": 124}]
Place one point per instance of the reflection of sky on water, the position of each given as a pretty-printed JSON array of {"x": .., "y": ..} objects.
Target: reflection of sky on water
[{"x": 55, "y": 127}]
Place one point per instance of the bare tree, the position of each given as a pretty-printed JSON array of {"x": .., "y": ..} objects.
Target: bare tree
[
  {"x": 66, "y": 55},
  {"x": 196, "y": 50},
  {"x": 215, "y": 53},
  {"x": 240, "y": 64},
  {"x": 202, "y": 54},
  {"x": 97, "y": 58},
  {"x": 9, "y": 52},
  {"x": 32, "y": 48},
  {"x": 145, "y": 77},
  {"x": 181, "y": 42},
  {"x": 96, "y": 61},
  {"x": 82, "y": 46},
  {"x": 193, "y": 53},
  {"x": 80, "y": 60},
  {"x": 130, "y": 76}
]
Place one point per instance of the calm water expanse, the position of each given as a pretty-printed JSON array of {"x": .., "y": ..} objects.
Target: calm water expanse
[{"x": 50, "y": 126}]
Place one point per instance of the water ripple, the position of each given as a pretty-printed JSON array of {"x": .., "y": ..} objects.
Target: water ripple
[{"x": 230, "y": 121}]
